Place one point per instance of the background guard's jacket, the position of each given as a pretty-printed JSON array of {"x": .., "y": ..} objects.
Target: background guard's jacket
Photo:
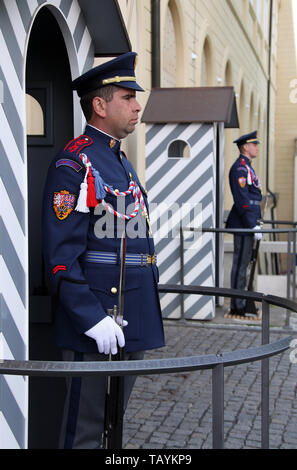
[
  {"x": 85, "y": 290},
  {"x": 245, "y": 188}
]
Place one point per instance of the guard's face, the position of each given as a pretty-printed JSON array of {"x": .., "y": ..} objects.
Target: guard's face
[
  {"x": 252, "y": 149},
  {"x": 121, "y": 113}
]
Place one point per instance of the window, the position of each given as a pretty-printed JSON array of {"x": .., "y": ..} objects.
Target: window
[
  {"x": 39, "y": 113},
  {"x": 259, "y": 11},
  {"x": 34, "y": 115},
  {"x": 266, "y": 19},
  {"x": 179, "y": 149}
]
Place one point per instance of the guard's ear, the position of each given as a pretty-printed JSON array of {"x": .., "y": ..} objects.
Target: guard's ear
[{"x": 99, "y": 106}]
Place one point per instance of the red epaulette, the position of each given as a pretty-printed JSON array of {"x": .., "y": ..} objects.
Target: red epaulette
[{"x": 78, "y": 144}]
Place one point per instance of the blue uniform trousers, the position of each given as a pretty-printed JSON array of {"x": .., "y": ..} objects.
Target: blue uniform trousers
[
  {"x": 243, "y": 246},
  {"x": 83, "y": 420}
]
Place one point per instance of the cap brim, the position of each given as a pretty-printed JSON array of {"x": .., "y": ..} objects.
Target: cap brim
[{"x": 131, "y": 85}]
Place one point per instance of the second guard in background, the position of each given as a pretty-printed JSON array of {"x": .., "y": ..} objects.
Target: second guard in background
[{"x": 245, "y": 213}]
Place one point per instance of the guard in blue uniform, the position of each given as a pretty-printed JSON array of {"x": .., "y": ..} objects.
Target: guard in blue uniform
[
  {"x": 245, "y": 213},
  {"x": 91, "y": 195}
]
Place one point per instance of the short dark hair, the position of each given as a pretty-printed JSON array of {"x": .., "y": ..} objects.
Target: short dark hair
[{"x": 105, "y": 92}]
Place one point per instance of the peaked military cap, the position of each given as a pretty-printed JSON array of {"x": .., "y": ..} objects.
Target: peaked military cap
[
  {"x": 247, "y": 139},
  {"x": 119, "y": 71}
]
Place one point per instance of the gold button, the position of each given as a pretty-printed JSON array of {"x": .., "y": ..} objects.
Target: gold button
[
  {"x": 130, "y": 174},
  {"x": 113, "y": 290}
]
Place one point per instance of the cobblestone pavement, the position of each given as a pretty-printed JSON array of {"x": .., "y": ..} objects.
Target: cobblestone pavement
[{"x": 173, "y": 411}]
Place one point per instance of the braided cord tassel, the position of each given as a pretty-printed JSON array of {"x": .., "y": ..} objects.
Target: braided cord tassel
[
  {"x": 89, "y": 196},
  {"x": 136, "y": 192},
  {"x": 81, "y": 205}
]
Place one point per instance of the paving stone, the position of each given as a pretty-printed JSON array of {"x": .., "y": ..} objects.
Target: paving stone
[{"x": 174, "y": 411}]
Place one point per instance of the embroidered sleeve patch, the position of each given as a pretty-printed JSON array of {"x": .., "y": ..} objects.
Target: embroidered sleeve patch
[
  {"x": 71, "y": 163},
  {"x": 63, "y": 204},
  {"x": 242, "y": 182}
]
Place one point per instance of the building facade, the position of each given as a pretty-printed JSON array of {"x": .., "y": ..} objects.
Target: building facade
[
  {"x": 285, "y": 169},
  {"x": 198, "y": 47}
]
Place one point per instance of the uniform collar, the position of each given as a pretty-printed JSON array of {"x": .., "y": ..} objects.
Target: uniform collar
[
  {"x": 113, "y": 143},
  {"x": 246, "y": 159}
]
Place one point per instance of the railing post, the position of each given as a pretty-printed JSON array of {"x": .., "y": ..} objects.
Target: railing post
[
  {"x": 288, "y": 277},
  {"x": 182, "y": 272},
  {"x": 218, "y": 406},
  {"x": 294, "y": 264},
  {"x": 265, "y": 379}
]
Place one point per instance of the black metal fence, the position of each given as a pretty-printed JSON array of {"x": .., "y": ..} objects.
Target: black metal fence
[
  {"x": 291, "y": 253},
  {"x": 273, "y": 236},
  {"x": 215, "y": 362}
]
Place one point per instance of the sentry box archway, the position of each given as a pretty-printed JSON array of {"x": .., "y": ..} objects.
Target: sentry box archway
[
  {"x": 185, "y": 181},
  {"x": 44, "y": 45}
]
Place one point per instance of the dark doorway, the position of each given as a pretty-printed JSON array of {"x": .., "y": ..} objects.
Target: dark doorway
[{"x": 48, "y": 84}]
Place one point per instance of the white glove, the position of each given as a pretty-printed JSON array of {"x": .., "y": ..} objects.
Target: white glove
[
  {"x": 257, "y": 236},
  {"x": 120, "y": 321},
  {"x": 107, "y": 333}
]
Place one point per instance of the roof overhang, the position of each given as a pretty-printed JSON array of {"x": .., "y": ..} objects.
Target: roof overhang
[
  {"x": 200, "y": 104},
  {"x": 106, "y": 26}
]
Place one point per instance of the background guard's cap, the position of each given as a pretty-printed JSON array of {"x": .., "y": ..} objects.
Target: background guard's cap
[
  {"x": 247, "y": 139},
  {"x": 119, "y": 71}
]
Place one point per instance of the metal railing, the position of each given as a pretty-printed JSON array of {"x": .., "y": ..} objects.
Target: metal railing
[
  {"x": 215, "y": 362},
  {"x": 274, "y": 223},
  {"x": 291, "y": 253}
]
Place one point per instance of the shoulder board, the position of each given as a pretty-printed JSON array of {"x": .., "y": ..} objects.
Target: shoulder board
[{"x": 77, "y": 145}]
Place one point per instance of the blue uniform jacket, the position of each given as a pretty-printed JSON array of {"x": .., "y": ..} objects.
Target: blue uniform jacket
[
  {"x": 245, "y": 187},
  {"x": 85, "y": 290}
]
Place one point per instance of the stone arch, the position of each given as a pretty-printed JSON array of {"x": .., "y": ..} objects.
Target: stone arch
[
  {"x": 206, "y": 75},
  {"x": 242, "y": 107},
  {"x": 226, "y": 69},
  {"x": 228, "y": 74},
  {"x": 76, "y": 66},
  {"x": 252, "y": 120},
  {"x": 173, "y": 43}
]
